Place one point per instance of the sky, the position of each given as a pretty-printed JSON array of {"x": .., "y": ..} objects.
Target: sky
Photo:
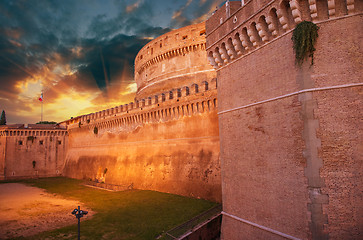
[{"x": 79, "y": 53}]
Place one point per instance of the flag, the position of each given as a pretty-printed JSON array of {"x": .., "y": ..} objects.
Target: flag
[{"x": 41, "y": 97}]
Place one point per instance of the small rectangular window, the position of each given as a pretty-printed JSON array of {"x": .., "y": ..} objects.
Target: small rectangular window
[
  {"x": 41, "y": 142},
  {"x": 59, "y": 142},
  {"x": 185, "y": 37},
  {"x": 20, "y": 142}
]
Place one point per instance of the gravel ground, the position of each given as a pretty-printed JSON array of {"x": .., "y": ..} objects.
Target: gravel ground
[{"x": 25, "y": 211}]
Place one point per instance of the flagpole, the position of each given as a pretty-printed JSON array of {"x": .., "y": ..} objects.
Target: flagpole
[
  {"x": 41, "y": 107},
  {"x": 41, "y": 113}
]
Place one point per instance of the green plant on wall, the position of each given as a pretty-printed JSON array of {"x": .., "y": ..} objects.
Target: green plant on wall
[
  {"x": 304, "y": 37},
  {"x": 95, "y": 130},
  {"x": 46, "y": 122}
]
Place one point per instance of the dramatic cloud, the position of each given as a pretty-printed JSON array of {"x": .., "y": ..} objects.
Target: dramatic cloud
[
  {"x": 132, "y": 7},
  {"x": 79, "y": 53},
  {"x": 194, "y": 12}
]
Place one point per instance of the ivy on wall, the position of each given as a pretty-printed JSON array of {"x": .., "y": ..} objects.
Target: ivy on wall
[{"x": 304, "y": 37}]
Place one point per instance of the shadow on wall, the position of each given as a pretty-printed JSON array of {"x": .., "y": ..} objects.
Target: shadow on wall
[{"x": 189, "y": 173}]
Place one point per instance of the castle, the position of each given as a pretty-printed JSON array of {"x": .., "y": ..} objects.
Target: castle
[
  {"x": 280, "y": 147},
  {"x": 166, "y": 140}
]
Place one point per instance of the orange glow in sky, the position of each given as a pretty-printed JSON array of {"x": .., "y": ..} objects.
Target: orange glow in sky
[{"x": 79, "y": 54}]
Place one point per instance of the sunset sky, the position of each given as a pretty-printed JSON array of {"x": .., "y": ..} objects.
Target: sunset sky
[{"x": 79, "y": 52}]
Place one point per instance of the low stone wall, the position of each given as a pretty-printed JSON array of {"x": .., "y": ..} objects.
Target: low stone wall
[
  {"x": 109, "y": 186},
  {"x": 208, "y": 231}
]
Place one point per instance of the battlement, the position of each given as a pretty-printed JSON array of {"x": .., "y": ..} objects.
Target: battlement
[
  {"x": 32, "y": 130},
  {"x": 172, "y": 60},
  {"x": 10, "y": 132},
  {"x": 232, "y": 33},
  {"x": 164, "y": 106}
]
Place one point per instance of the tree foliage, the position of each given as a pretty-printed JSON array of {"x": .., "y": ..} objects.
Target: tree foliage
[
  {"x": 3, "y": 118},
  {"x": 46, "y": 122}
]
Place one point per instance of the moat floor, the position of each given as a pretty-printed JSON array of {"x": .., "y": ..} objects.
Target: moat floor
[{"x": 26, "y": 211}]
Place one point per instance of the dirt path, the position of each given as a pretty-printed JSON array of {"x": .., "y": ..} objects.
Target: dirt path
[{"x": 26, "y": 211}]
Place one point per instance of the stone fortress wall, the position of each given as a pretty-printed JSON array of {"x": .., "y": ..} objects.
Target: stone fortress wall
[
  {"x": 291, "y": 137},
  {"x": 32, "y": 151},
  {"x": 167, "y": 139}
]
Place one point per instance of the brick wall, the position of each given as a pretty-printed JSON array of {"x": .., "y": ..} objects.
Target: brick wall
[
  {"x": 338, "y": 61},
  {"x": 292, "y": 163},
  {"x": 261, "y": 146}
]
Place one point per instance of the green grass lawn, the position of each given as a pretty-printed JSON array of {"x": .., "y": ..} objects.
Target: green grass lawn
[{"x": 135, "y": 214}]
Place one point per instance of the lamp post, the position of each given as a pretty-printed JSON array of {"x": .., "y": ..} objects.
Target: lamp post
[{"x": 79, "y": 213}]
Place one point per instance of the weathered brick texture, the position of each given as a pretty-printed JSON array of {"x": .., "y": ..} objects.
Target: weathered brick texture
[{"x": 291, "y": 136}]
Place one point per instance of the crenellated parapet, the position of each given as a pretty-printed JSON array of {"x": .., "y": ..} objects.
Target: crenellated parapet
[
  {"x": 173, "y": 60},
  {"x": 40, "y": 133},
  {"x": 22, "y": 130},
  {"x": 166, "y": 106},
  {"x": 243, "y": 29}
]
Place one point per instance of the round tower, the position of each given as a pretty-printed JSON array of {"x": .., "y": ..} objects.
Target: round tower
[{"x": 173, "y": 60}]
